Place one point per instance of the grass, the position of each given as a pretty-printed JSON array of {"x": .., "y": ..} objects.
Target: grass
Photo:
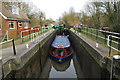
[{"x": 94, "y": 38}]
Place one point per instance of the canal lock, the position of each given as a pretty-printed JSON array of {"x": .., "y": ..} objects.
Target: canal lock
[{"x": 81, "y": 65}]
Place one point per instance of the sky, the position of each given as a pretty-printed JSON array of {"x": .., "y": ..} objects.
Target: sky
[{"x": 54, "y": 8}]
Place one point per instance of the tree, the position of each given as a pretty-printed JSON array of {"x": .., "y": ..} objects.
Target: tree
[
  {"x": 41, "y": 17},
  {"x": 35, "y": 15},
  {"x": 104, "y": 14},
  {"x": 70, "y": 18}
]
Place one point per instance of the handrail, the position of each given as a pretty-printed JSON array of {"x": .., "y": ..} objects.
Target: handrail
[{"x": 106, "y": 37}]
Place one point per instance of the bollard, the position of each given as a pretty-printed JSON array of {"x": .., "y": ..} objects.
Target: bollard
[
  {"x": 27, "y": 45},
  {"x": 97, "y": 45},
  {"x": 14, "y": 47}
]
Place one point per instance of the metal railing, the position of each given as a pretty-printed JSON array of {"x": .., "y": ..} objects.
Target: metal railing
[
  {"x": 26, "y": 36},
  {"x": 111, "y": 39},
  {"x": 10, "y": 48}
]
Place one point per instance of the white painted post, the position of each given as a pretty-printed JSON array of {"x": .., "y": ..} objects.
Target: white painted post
[
  {"x": 97, "y": 45},
  {"x": 27, "y": 45}
]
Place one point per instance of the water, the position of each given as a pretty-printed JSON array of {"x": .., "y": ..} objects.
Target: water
[
  {"x": 54, "y": 69},
  {"x": 78, "y": 67},
  {"x": 63, "y": 70}
]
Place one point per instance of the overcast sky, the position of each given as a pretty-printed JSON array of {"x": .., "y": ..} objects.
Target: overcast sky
[{"x": 54, "y": 8}]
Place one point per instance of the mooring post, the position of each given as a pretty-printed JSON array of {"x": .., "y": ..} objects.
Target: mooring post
[{"x": 14, "y": 50}]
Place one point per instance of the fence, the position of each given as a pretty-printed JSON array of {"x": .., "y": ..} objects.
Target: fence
[
  {"x": 22, "y": 39},
  {"x": 111, "y": 39},
  {"x": 12, "y": 49}
]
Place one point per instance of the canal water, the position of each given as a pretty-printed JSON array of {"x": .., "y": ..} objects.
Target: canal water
[
  {"x": 81, "y": 65},
  {"x": 67, "y": 69}
]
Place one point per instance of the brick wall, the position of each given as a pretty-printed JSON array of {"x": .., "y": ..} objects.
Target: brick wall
[{"x": 12, "y": 34}]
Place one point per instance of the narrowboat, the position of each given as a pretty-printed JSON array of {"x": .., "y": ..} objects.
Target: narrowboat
[{"x": 60, "y": 49}]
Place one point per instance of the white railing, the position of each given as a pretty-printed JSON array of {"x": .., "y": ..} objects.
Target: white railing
[
  {"x": 108, "y": 42},
  {"x": 107, "y": 38},
  {"x": 6, "y": 41},
  {"x": 32, "y": 36}
]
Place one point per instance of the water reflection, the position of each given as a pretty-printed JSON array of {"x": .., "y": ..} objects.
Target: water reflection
[
  {"x": 54, "y": 69},
  {"x": 63, "y": 70},
  {"x": 61, "y": 66},
  {"x": 79, "y": 66}
]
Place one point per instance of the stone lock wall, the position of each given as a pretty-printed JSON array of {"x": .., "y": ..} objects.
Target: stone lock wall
[
  {"x": 29, "y": 65},
  {"x": 92, "y": 63}
]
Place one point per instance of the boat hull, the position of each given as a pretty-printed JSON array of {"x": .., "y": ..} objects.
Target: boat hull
[{"x": 61, "y": 59}]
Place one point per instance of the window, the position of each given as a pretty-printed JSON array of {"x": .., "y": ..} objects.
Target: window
[
  {"x": 25, "y": 25},
  {"x": 11, "y": 25},
  {"x": 19, "y": 24}
]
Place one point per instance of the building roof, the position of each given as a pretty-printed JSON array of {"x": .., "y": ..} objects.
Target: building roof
[{"x": 6, "y": 13}]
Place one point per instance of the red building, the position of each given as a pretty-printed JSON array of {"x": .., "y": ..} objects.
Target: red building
[{"x": 12, "y": 21}]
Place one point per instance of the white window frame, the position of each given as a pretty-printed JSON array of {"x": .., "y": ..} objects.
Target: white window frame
[
  {"x": 19, "y": 24},
  {"x": 10, "y": 24},
  {"x": 25, "y": 25}
]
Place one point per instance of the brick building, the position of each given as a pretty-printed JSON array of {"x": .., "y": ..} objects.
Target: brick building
[{"x": 12, "y": 21}]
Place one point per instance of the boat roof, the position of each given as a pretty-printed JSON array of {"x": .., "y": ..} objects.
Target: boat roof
[{"x": 61, "y": 42}]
